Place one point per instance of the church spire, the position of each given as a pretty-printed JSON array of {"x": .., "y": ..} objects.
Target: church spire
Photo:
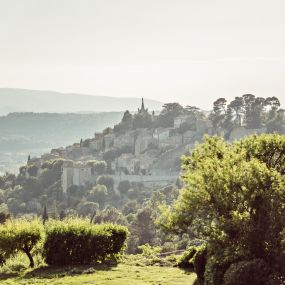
[
  {"x": 142, "y": 107},
  {"x": 142, "y": 110}
]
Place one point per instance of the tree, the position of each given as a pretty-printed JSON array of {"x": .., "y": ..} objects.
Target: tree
[
  {"x": 106, "y": 180},
  {"x": 32, "y": 170},
  {"x": 237, "y": 109},
  {"x": 45, "y": 215},
  {"x": 86, "y": 208},
  {"x": 31, "y": 189},
  {"x": 110, "y": 215},
  {"x": 99, "y": 167},
  {"x": 274, "y": 105},
  {"x": 254, "y": 111},
  {"x": 127, "y": 120},
  {"x": 194, "y": 111},
  {"x": 20, "y": 235},
  {"x": 144, "y": 226},
  {"x": 107, "y": 131},
  {"x": 168, "y": 113},
  {"x": 234, "y": 195},
  {"x": 142, "y": 120},
  {"x": 125, "y": 124},
  {"x": 99, "y": 194},
  {"x": 220, "y": 106},
  {"x": 277, "y": 123},
  {"x": 124, "y": 186},
  {"x": 172, "y": 107},
  {"x": 219, "y": 112}
]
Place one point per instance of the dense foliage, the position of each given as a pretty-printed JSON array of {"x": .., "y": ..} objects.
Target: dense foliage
[
  {"x": 254, "y": 272},
  {"x": 186, "y": 259},
  {"x": 234, "y": 198},
  {"x": 250, "y": 111}
]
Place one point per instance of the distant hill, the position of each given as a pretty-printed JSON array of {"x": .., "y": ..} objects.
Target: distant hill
[
  {"x": 22, "y": 100},
  {"x": 35, "y": 133}
]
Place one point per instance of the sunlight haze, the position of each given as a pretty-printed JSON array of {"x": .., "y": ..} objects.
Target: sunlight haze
[{"x": 187, "y": 51}]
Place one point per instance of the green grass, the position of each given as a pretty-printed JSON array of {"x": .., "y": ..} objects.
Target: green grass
[
  {"x": 123, "y": 274},
  {"x": 133, "y": 270}
]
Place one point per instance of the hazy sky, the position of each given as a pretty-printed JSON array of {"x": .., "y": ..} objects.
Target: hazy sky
[{"x": 191, "y": 51}]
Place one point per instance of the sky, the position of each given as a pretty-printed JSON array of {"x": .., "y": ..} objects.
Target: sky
[{"x": 187, "y": 51}]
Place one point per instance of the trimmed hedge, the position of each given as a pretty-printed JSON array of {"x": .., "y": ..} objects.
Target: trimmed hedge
[{"x": 76, "y": 241}]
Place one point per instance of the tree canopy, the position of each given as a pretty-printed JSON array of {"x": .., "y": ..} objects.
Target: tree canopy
[{"x": 234, "y": 195}]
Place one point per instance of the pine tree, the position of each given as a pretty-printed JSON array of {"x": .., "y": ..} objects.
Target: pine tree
[{"x": 45, "y": 215}]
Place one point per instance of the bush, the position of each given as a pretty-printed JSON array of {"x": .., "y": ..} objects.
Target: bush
[
  {"x": 99, "y": 167},
  {"x": 218, "y": 263},
  {"x": 99, "y": 194},
  {"x": 199, "y": 261},
  {"x": 185, "y": 261},
  {"x": 20, "y": 236},
  {"x": 215, "y": 269},
  {"x": 106, "y": 180},
  {"x": 253, "y": 272},
  {"x": 76, "y": 241},
  {"x": 124, "y": 186},
  {"x": 149, "y": 251}
]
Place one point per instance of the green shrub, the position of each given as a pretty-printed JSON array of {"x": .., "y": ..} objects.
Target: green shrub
[
  {"x": 219, "y": 260},
  {"x": 124, "y": 186},
  {"x": 199, "y": 261},
  {"x": 185, "y": 261},
  {"x": 76, "y": 241},
  {"x": 253, "y": 272},
  {"x": 20, "y": 236},
  {"x": 149, "y": 251},
  {"x": 215, "y": 269}
]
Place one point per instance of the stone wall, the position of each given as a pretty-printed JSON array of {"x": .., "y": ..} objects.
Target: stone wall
[
  {"x": 241, "y": 132},
  {"x": 147, "y": 180}
]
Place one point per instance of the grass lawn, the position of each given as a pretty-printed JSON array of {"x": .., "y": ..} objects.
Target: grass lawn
[{"x": 123, "y": 274}]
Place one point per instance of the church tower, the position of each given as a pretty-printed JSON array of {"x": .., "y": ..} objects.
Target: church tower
[{"x": 142, "y": 109}]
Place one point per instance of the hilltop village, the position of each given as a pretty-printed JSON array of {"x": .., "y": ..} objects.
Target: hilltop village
[
  {"x": 138, "y": 149},
  {"x": 146, "y": 147}
]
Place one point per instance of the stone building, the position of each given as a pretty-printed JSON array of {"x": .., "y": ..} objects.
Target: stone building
[
  {"x": 75, "y": 174},
  {"x": 143, "y": 142},
  {"x": 97, "y": 143},
  {"x": 108, "y": 141},
  {"x": 162, "y": 135},
  {"x": 126, "y": 139},
  {"x": 126, "y": 163}
]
